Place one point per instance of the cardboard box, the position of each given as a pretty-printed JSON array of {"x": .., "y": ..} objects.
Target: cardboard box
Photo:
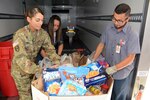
[{"x": 38, "y": 95}]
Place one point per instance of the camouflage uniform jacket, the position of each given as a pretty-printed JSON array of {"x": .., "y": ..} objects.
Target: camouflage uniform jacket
[{"x": 26, "y": 46}]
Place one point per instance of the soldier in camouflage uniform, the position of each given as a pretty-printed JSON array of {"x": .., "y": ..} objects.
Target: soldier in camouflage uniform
[{"x": 27, "y": 42}]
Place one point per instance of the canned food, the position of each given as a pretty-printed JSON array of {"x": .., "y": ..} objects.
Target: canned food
[{"x": 94, "y": 90}]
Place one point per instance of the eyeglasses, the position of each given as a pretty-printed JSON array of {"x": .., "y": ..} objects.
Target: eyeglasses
[{"x": 118, "y": 21}]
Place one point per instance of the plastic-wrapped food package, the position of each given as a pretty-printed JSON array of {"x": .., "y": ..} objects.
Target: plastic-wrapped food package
[
  {"x": 73, "y": 73},
  {"x": 72, "y": 88},
  {"x": 52, "y": 81}
]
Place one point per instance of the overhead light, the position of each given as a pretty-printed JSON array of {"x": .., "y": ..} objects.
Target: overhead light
[{"x": 63, "y": 7}]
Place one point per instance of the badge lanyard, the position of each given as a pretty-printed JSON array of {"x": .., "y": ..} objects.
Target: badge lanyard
[
  {"x": 118, "y": 48},
  {"x": 119, "y": 45}
]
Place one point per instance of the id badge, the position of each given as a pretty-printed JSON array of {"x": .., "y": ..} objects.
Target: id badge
[{"x": 118, "y": 48}]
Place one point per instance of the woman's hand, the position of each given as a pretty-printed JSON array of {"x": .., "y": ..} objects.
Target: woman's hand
[{"x": 54, "y": 66}]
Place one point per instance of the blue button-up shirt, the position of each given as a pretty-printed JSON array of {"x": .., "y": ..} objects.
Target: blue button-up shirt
[{"x": 127, "y": 40}]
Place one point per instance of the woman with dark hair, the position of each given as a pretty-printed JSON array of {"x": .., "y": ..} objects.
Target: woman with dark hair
[
  {"x": 55, "y": 33},
  {"x": 27, "y": 42}
]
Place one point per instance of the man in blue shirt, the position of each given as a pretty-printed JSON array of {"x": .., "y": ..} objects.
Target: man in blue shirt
[{"x": 121, "y": 45}]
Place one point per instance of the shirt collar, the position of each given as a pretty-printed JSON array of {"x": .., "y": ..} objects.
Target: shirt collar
[
  {"x": 28, "y": 28},
  {"x": 124, "y": 30}
]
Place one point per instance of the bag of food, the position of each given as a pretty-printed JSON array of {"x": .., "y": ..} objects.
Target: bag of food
[
  {"x": 73, "y": 73},
  {"x": 75, "y": 58},
  {"x": 38, "y": 83},
  {"x": 72, "y": 88},
  {"x": 52, "y": 81},
  {"x": 83, "y": 60}
]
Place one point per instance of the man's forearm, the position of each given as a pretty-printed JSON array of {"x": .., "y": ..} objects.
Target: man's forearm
[
  {"x": 98, "y": 51},
  {"x": 127, "y": 61}
]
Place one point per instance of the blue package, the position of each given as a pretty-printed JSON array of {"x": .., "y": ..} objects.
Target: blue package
[
  {"x": 73, "y": 73},
  {"x": 72, "y": 88},
  {"x": 52, "y": 81},
  {"x": 96, "y": 66},
  {"x": 96, "y": 80}
]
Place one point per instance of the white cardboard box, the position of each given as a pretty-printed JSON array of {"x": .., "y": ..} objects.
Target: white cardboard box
[{"x": 38, "y": 95}]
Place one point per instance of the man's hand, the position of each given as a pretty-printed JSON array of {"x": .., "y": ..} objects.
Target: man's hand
[
  {"x": 90, "y": 60},
  {"x": 111, "y": 70}
]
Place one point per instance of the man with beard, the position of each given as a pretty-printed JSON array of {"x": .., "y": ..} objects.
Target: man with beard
[{"x": 121, "y": 45}]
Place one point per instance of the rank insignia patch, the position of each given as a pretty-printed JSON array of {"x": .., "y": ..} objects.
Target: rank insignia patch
[{"x": 17, "y": 48}]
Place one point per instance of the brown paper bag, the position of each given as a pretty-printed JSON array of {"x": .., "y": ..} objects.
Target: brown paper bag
[
  {"x": 75, "y": 58},
  {"x": 38, "y": 83},
  {"x": 83, "y": 60}
]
